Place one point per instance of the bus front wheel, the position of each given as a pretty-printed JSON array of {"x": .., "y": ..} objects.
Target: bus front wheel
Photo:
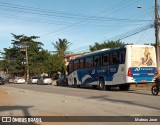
[
  {"x": 102, "y": 84},
  {"x": 124, "y": 87}
]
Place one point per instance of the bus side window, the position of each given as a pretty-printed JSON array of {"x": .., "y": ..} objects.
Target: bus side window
[
  {"x": 70, "y": 67},
  {"x": 122, "y": 55},
  {"x": 89, "y": 62},
  {"x": 81, "y": 63},
  {"x": 110, "y": 58},
  {"x": 105, "y": 59},
  {"x": 76, "y": 64},
  {"x": 115, "y": 58},
  {"x": 97, "y": 60}
]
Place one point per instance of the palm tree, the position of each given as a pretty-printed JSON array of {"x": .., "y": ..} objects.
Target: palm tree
[{"x": 61, "y": 46}]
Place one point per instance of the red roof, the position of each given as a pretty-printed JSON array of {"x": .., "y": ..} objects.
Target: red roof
[{"x": 71, "y": 55}]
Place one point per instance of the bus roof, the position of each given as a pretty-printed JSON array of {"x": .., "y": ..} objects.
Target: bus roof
[{"x": 107, "y": 50}]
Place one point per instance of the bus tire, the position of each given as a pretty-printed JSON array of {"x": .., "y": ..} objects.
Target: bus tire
[
  {"x": 102, "y": 84},
  {"x": 94, "y": 86},
  {"x": 155, "y": 90},
  {"x": 124, "y": 87},
  {"x": 108, "y": 87}
]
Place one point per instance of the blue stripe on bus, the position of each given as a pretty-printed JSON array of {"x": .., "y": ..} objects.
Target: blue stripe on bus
[
  {"x": 143, "y": 79},
  {"x": 143, "y": 74},
  {"x": 140, "y": 74},
  {"x": 87, "y": 76}
]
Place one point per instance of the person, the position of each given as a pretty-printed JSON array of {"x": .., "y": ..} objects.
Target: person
[{"x": 147, "y": 60}]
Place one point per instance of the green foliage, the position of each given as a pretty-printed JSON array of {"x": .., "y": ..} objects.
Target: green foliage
[
  {"x": 153, "y": 44},
  {"x": 39, "y": 60},
  {"x": 108, "y": 44},
  {"x": 15, "y": 57},
  {"x": 61, "y": 46},
  {"x": 45, "y": 62},
  {"x": 13, "y": 61},
  {"x": 20, "y": 39}
]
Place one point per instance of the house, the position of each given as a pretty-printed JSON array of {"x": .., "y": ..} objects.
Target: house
[{"x": 71, "y": 56}]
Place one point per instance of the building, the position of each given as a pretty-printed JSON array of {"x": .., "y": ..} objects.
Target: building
[{"x": 71, "y": 56}]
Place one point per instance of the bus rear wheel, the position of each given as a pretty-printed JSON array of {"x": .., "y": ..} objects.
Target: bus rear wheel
[
  {"x": 94, "y": 86},
  {"x": 108, "y": 87},
  {"x": 124, "y": 87},
  {"x": 102, "y": 84}
]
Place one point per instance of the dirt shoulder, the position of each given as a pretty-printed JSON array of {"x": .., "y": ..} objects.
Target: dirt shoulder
[{"x": 5, "y": 98}]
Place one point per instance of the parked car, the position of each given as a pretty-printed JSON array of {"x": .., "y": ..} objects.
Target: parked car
[
  {"x": 10, "y": 80},
  {"x": 19, "y": 80},
  {"x": 2, "y": 81},
  {"x": 33, "y": 80},
  {"x": 62, "y": 81},
  {"x": 44, "y": 80}
]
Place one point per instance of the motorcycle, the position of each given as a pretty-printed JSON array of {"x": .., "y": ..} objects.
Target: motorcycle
[{"x": 156, "y": 87}]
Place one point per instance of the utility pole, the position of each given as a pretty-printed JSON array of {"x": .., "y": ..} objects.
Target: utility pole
[
  {"x": 26, "y": 51},
  {"x": 25, "y": 45},
  {"x": 157, "y": 36}
]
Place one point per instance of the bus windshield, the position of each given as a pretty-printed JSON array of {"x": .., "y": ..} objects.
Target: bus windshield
[{"x": 143, "y": 56}]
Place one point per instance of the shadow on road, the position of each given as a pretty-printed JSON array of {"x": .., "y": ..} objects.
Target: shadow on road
[
  {"x": 115, "y": 89},
  {"x": 106, "y": 98},
  {"x": 140, "y": 93},
  {"x": 24, "y": 109}
]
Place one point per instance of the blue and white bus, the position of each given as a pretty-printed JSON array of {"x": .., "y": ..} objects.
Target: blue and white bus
[{"x": 119, "y": 66}]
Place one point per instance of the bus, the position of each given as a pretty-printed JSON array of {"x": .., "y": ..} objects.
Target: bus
[{"x": 119, "y": 67}]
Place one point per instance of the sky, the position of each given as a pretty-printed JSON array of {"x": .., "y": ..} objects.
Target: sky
[{"x": 81, "y": 22}]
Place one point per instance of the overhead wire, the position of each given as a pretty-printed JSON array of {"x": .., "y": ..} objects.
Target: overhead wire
[
  {"x": 75, "y": 24},
  {"x": 110, "y": 19},
  {"x": 49, "y": 13},
  {"x": 142, "y": 36},
  {"x": 67, "y": 27},
  {"x": 121, "y": 28},
  {"x": 42, "y": 21},
  {"x": 82, "y": 18},
  {"x": 126, "y": 35}
]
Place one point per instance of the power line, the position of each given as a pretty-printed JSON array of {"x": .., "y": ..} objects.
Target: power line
[
  {"x": 31, "y": 10},
  {"x": 128, "y": 34},
  {"x": 145, "y": 32},
  {"x": 67, "y": 26},
  {"x": 24, "y": 10},
  {"x": 72, "y": 25},
  {"x": 133, "y": 32},
  {"x": 59, "y": 23},
  {"x": 83, "y": 18}
]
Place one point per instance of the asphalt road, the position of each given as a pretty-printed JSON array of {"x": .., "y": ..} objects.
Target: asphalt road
[{"x": 134, "y": 97}]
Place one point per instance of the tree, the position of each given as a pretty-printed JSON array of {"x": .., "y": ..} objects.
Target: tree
[
  {"x": 13, "y": 62},
  {"x": 15, "y": 57},
  {"x": 61, "y": 46},
  {"x": 153, "y": 44},
  {"x": 108, "y": 44},
  {"x": 39, "y": 60},
  {"x": 54, "y": 64},
  {"x": 20, "y": 39}
]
